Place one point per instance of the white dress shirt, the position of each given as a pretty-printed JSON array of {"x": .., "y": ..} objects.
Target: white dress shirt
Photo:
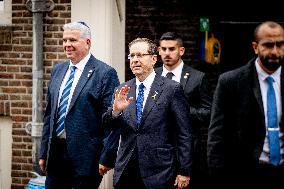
[
  {"x": 263, "y": 87},
  {"x": 147, "y": 86},
  {"x": 177, "y": 72}
]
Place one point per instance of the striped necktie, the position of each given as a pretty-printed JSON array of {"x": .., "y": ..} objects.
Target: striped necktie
[{"x": 62, "y": 109}]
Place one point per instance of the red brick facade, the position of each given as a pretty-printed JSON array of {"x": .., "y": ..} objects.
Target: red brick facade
[{"x": 16, "y": 75}]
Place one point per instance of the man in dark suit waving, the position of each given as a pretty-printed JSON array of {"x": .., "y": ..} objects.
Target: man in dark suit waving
[
  {"x": 196, "y": 89},
  {"x": 79, "y": 92},
  {"x": 156, "y": 134}
]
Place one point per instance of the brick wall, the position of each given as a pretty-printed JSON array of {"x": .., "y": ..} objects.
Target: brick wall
[
  {"x": 152, "y": 18},
  {"x": 16, "y": 75}
]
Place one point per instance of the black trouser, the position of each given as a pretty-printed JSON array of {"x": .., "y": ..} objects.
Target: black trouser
[
  {"x": 60, "y": 173},
  {"x": 131, "y": 177},
  {"x": 269, "y": 176},
  {"x": 261, "y": 176}
]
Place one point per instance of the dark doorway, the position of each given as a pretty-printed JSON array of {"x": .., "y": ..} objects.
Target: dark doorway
[
  {"x": 235, "y": 39},
  {"x": 236, "y": 36}
]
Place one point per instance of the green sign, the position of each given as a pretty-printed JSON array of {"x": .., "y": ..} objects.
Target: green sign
[{"x": 204, "y": 24}]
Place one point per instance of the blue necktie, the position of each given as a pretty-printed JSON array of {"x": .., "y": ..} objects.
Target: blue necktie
[
  {"x": 272, "y": 124},
  {"x": 139, "y": 104},
  {"x": 64, "y": 102}
]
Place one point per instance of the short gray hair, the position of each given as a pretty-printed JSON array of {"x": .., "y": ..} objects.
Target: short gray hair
[{"x": 82, "y": 26}]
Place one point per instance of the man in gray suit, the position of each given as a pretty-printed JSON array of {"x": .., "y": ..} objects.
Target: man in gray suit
[
  {"x": 79, "y": 92},
  {"x": 241, "y": 141},
  {"x": 196, "y": 89},
  {"x": 155, "y": 149}
]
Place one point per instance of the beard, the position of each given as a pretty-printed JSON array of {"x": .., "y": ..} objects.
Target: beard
[{"x": 273, "y": 63}]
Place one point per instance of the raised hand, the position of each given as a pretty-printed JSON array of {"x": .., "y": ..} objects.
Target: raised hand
[
  {"x": 182, "y": 181},
  {"x": 120, "y": 99},
  {"x": 103, "y": 169}
]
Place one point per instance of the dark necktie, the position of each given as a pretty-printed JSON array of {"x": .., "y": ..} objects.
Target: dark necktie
[
  {"x": 169, "y": 75},
  {"x": 139, "y": 104},
  {"x": 61, "y": 113},
  {"x": 272, "y": 124}
]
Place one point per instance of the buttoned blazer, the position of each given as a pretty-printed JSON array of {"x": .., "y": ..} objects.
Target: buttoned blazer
[
  {"x": 237, "y": 127},
  {"x": 164, "y": 138},
  {"x": 84, "y": 132}
]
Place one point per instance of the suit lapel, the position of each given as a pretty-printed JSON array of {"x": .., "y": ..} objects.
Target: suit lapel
[
  {"x": 132, "y": 106},
  {"x": 58, "y": 82},
  {"x": 256, "y": 86},
  {"x": 86, "y": 75},
  {"x": 185, "y": 74},
  {"x": 159, "y": 70},
  {"x": 154, "y": 94},
  {"x": 282, "y": 95}
]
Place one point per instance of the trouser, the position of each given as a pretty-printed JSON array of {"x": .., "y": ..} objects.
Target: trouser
[{"x": 60, "y": 173}]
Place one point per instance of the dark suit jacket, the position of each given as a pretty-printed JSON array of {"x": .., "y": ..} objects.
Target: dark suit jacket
[
  {"x": 196, "y": 89},
  {"x": 237, "y": 129},
  {"x": 163, "y": 140},
  {"x": 197, "y": 92},
  {"x": 84, "y": 132}
]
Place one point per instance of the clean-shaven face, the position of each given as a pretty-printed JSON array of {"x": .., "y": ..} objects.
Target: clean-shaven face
[
  {"x": 75, "y": 47},
  {"x": 141, "y": 62}
]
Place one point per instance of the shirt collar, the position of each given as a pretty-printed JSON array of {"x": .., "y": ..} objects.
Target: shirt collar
[
  {"x": 81, "y": 65},
  {"x": 148, "y": 81},
  {"x": 263, "y": 75},
  {"x": 177, "y": 71}
]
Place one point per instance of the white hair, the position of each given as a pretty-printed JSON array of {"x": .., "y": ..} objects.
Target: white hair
[{"x": 82, "y": 26}]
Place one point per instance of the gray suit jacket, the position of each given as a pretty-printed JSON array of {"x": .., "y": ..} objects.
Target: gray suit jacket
[
  {"x": 84, "y": 132},
  {"x": 164, "y": 139}
]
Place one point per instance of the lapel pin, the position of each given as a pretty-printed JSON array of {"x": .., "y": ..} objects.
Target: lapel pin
[
  {"x": 90, "y": 71},
  {"x": 186, "y": 75},
  {"x": 155, "y": 95}
]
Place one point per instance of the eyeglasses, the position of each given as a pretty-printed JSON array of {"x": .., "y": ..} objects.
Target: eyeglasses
[
  {"x": 139, "y": 56},
  {"x": 270, "y": 45}
]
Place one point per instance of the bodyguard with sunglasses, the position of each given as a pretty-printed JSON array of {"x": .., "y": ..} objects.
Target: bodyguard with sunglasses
[{"x": 245, "y": 139}]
